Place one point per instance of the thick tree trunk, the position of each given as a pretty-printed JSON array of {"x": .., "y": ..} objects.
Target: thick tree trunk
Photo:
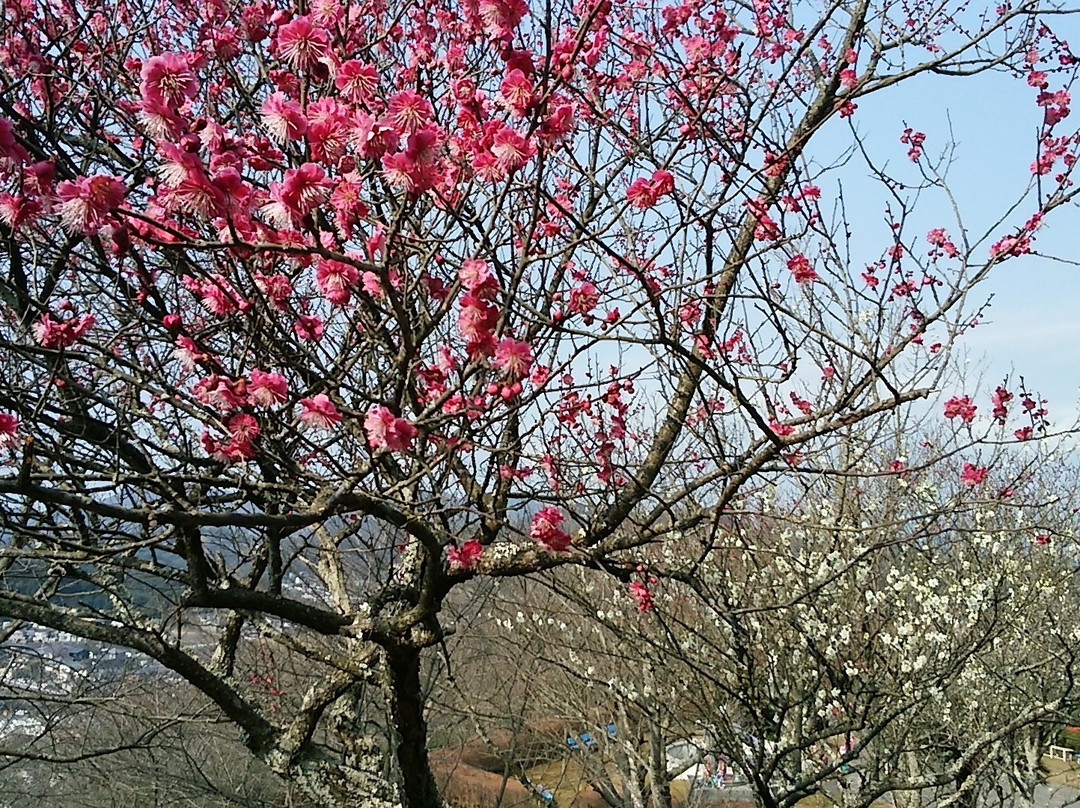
[
  {"x": 407, "y": 711},
  {"x": 338, "y": 785}
]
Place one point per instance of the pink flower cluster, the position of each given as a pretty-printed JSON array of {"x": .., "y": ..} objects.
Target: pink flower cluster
[
  {"x": 466, "y": 556},
  {"x": 960, "y": 407},
  {"x": 168, "y": 83},
  {"x": 973, "y": 475},
  {"x": 319, "y": 412},
  {"x": 302, "y": 44},
  {"x": 940, "y": 239},
  {"x": 9, "y": 428},
  {"x": 478, "y": 317},
  {"x": 644, "y": 597},
  {"x": 645, "y": 193},
  {"x": 1000, "y": 400},
  {"x": 217, "y": 295},
  {"x": 11, "y": 152},
  {"x": 336, "y": 280},
  {"x": 641, "y": 592},
  {"x": 513, "y": 357},
  {"x": 299, "y": 193},
  {"x": 546, "y": 532},
  {"x": 85, "y": 204},
  {"x": 801, "y": 270},
  {"x": 259, "y": 389},
  {"x": 388, "y": 432},
  {"x": 242, "y": 429},
  {"x": 168, "y": 79},
  {"x": 915, "y": 140},
  {"x": 57, "y": 334}
]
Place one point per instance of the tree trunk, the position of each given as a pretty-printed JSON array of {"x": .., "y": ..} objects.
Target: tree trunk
[
  {"x": 334, "y": 784},
  {"x": 407, "y": 712}
]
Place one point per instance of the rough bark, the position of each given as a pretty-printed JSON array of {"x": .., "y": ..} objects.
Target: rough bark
[{"x": 407, "y": 711}]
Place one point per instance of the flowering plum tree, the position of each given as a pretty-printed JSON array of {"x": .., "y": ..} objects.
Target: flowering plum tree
[
  {"x": 314, "y": 312},
  {"x": 917, "y": 644}
]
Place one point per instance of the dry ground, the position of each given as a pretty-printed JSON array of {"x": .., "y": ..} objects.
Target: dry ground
[{"x": 1062, "y": 772}]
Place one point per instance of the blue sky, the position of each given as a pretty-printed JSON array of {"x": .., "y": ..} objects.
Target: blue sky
[{"x": 1033, "y": 327}]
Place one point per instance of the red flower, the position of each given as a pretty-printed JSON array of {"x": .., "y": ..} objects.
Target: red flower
[
  {"x": 475, "y": 276},
  {"x": 960, "y": 407},
  {"x": 643, "y": 595},
  {"x": 466, "y": 556},
  {"x": 220, "y": 393},
  {"x": 801, "y": 270},
  {"x": 9, "y": 427},
  {"x": 973, "y": 475},
  {"x": 545, "y": 530}
]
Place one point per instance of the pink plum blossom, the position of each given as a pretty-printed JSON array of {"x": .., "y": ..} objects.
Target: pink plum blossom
[
  {"x": 283, "y": 118},
  {"x": 301, "y": 44},
  {"x": 11, "y": 152},
  {"x": 319, "y": 412},
  {"x": 642, "y": 595},
  {"x": 466, "y": 556},
  {"x": 516, "y": 92},
  {"x": 86, "y": 202},
  {"x": 960, "y": 407},
  {"x": 513, "y": 357},
  {"x": 56, "y": 334},
  {"x": 243, "y": 427},
  {"x": 9, "y": 428},
  {"x": 409, "y": 111},
  {"x": 220, "y": 393},
  {"x": 801, "y": 270},
  {"x": 545, "y": 530},
  {"x": 309, "y": 328},
  {"x": 475, "y": 275},
  {"x": 511, "y": 149},
  {"x": 645, "y": 193},
  {"x": 336, "y": 280},
  {"x": 387, "y": 431},
  {"x": 973, "y": 475},
  {"x": 167, "y": 79},
  {"x": 357, "y": 80},
  {"x": 584, "y": 298},
  {"x": 302, "y": 190},
  {"x": 267, "y": 389}
]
